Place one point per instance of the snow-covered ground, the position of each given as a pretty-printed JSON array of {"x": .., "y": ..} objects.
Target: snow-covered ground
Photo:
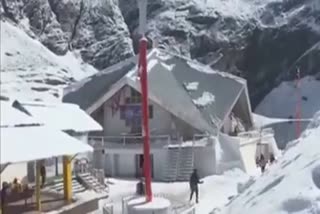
[
  {"x": 216, "y": 191},
  {"x": 29, "y": 69},
  {"x": 292, "y": 185},
  {"x": 281, "y": 101}
]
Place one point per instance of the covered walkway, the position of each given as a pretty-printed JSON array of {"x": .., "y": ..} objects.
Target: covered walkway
[{"x": 35, "y": 143}]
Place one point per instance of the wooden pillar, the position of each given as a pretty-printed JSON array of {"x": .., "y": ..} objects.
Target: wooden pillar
[
  {"x": 67, "y": 178},
  {"x": 38, "y": 186}
]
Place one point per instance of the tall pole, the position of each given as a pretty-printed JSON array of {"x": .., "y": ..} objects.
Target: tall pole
[
  {"x": 144, "y": 92},
  {"x": 298, "y": 105}
]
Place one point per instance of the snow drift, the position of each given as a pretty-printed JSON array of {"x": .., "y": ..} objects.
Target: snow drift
[{"x": 290, "y": 186}]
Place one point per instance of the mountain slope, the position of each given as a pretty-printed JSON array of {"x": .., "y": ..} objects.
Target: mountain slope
[
  {"x": 30, "y": 70},
  {"x": 292, "y": 185},
  {"x": 261, "y": 40},
  {"x": 94, "y": 28}
]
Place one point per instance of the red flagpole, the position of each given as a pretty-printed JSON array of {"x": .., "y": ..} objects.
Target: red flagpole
[
  {"x": 298, "y": 105},
  {"x": 144, "y": 94}
]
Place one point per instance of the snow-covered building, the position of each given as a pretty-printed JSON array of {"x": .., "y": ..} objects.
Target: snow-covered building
[
  {"x": 68, "y": 118},
  {"x": 24, "y": 137},
  {"x": 63, "y": 116},
  {"x": 187, "y": 101}
]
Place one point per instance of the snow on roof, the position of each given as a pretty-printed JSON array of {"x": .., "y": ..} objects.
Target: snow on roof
[
  {"x": 11, "y": 116},
  {"x": 205, "y": 99},
  {"x": 191, "y": 86},
  {"x": 63, "y": 116},
  {"x": 168, "y": 74},
  {"x": 297, "y": 170},
  {"x": 207, "y": 69},
  {"x": 21, "y": 144}
]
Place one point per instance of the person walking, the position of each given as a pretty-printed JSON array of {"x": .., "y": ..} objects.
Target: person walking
[
  {"x": 194, "y": 181},
  {"x": 263, "y": 163},
  {"x": 43, "y": 175}
]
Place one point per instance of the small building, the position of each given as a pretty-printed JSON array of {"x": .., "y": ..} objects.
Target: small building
[
  {"x": 188, "y": 102},
  {"x": 24, "y": 138},
  {"x": 65, "y": 117}
]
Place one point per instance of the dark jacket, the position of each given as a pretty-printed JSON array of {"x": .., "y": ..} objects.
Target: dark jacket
[
  {"x": 43, "y": 170},
  {"x": 194, "y": 180}
]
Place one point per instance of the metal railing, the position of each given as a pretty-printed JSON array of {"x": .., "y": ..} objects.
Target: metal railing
[
  {"x": 83, "y": 166},
  {"x": 107, "y": 208},
  {"x": 127, "y": 140}
]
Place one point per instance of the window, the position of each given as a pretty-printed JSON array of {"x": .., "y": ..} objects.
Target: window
[
  {"x": 150, "y": 112},
  {"x": 135, "y": 96}
]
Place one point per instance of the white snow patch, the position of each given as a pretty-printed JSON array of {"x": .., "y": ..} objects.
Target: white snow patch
[
  {"x": 224, "y": 186},
  {"x": 152, "y": 63},
  {"x": 205, "y": 99},
  {"x": 168, "y": 67},
  {"x": 192, "y": 86},
  {"x": 207, "y": 69},
  {"x": 297, "y": 170},
  {"x": 51, "y": 114}
]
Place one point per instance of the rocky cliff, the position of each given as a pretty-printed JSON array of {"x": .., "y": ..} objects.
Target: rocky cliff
[{"x": 261, "y": 40}]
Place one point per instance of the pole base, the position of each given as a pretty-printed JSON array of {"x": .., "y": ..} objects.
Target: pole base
[{"x": 139, "y": 205}]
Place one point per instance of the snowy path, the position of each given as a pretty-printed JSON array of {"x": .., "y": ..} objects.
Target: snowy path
[{"x": 215, "y": 192}]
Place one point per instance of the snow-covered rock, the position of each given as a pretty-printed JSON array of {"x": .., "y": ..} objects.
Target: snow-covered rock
[
  {"x": 30, "y": 70},
  {"x": 292, "y": 185},
  {"x": 262, "y": 40},
  {"x": 95, "y": 28}
]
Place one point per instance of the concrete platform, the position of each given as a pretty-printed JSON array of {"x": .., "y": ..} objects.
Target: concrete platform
[{"x": 50, "y": 202}]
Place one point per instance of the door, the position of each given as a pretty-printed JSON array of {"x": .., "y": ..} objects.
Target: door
[
  {"x": 139, "y": 165},
  {"x": 139, "y": 159}
]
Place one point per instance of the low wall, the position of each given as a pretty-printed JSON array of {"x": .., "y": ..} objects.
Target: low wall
[{"x": 83, "y": 208}]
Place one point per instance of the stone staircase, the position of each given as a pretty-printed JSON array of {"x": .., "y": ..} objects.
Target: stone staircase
[
  {"x": 57, "y": 186},
  {"x": 171, "y": 165},
  {"x": 80, "y": 183},
  {"x": 179, "y": 164},
  {"x": 185, "y": 163},
  {"x": 91, "y": 182}
]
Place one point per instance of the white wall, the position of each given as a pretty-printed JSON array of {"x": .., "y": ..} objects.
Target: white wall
[
  {"x": 205, "y": 161},
  {"x": 125, "y": 166},
  {"x": 159, "y": 161},
  {"x": 248, "y": 152},
  {"x": 231, "y": 156},
  {"x": 227, "y": 125},
  {"x": 114, "y": 126}
]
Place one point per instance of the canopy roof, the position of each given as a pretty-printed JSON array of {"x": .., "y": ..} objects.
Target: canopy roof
[
  {"x": 62, "y": 116},
  {"x": 21, "y": 144},
  {"x": 11, "y": 116}
]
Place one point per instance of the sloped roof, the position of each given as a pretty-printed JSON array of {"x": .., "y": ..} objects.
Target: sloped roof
[
  {"x": 172, "y": 96},
  {"x": 224, "y": 87},
  {"x": 168, "y": 74},
  {"x": 20, "y": 144},
  {"x": 11, "y": 116},
  {"x": 73, "y": 117},
  {"x": 87, "y": 91}
]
